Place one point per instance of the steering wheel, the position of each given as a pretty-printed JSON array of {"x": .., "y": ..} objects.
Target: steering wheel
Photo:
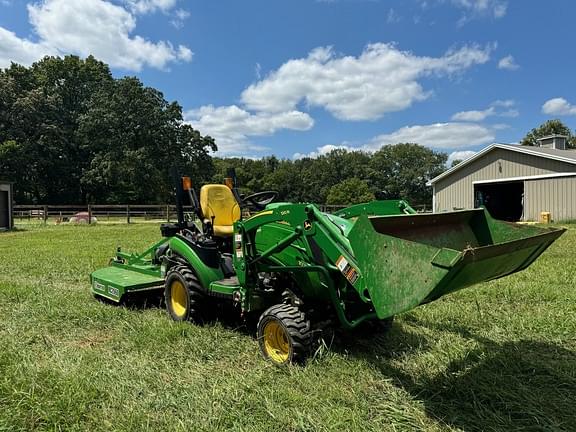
[{"x": 260, "y": 200}]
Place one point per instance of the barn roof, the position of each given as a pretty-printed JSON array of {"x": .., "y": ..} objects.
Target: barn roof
[{"x": 568, "y": 156}]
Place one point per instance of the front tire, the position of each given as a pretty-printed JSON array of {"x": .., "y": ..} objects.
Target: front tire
[
  {"x": 284, "y": 335},
  {"x": 185, "y": 300}
]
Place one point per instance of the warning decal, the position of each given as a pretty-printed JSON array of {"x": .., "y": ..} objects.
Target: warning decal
[
  {"x": 238, "y": 246},
  {"x": 347, "y": 270}
]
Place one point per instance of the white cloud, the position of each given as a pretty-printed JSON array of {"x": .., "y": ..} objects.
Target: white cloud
[
  {"x": 150, "y": 6},
  {"x": 17, "y": 50},
  {"x": 86, "y": 27},
  {"x": 144, "y": 7},
  {"x": 558, "y": 106},
  {"x": 438, "y": 136},
  {"x": 180, "y": 16},
  {"x": 495, "y": 7},
  {"x": 231, "y": 125},
  {"x": 435, "y": 136},
  {"x": 459, "y": 155},
  {"x": 392, "y": 17},
  {"x": 481, "y": 115},
  {"x": 510, "y": 113},
  {"x": 500, "y": 9},
  {"x": 508, "y": 63},
  {"x": 507, "y": 103},
  {"x": 325, "y": 149},
  {"x": 480, "y": 8},
  {"x": 474, "y": 116},
  {"x": 381, "y": 79},
  {"x": 184, "y": 53}
]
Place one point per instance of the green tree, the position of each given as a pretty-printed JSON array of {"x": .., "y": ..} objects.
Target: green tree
[
  {"x": 71, "y": 133},
  {"x": 349, "y": 191},
  {"x": 550, "y": 127},
  {"x": 402, "y": 171},
  {"x": 136, "y": 137},
  {"x": 394, "y": 171},
  {"x": 40, "y": 110}
]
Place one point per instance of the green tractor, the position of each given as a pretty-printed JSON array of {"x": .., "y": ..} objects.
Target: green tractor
[{"x": 303, "y": 272}]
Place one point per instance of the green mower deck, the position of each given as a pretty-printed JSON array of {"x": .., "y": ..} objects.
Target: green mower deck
[{"x": 115, "y": 282}]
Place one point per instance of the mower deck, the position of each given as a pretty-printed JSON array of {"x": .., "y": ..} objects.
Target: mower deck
[{"x": 113, "y": 282}]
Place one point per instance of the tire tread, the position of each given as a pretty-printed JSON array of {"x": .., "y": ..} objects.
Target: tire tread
[{"x": 297, "y": 325}]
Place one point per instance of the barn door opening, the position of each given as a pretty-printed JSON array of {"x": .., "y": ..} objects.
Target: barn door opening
[
  {"x": 4, "y": 211},
  {"x": 504, "y": 201}
]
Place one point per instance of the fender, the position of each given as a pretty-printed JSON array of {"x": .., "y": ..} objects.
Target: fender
[{"x": 205, "y": 274}]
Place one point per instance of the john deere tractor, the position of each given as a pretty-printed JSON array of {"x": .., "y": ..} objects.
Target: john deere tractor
[{"x": 303, "y": 272}]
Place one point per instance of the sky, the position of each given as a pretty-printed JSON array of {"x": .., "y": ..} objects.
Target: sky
[{"x": 302, "y": 77}]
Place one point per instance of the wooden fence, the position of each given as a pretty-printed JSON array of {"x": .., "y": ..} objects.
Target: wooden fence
[
  {"x": 128, "y": 213},
  {"x": 96, "y": 212}
]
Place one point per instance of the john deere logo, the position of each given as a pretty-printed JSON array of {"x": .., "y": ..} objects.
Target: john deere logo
[{"x": 307, "y": 225}]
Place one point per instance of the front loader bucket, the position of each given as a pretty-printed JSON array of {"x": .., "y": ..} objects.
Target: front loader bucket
[{"x": 408, "y": 260}]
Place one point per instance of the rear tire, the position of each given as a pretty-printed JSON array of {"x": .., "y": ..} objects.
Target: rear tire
[
  {"x": 284, "y": 335},
  {"x": 183, "y": 295}
]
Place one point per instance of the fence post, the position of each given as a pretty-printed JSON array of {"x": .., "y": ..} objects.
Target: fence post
[
  {"x": 89, "y": 214},
  {"x": 45, "y": 214},
  {"x": 167, "y": 213},
  {"x": 127, "y": 214}
]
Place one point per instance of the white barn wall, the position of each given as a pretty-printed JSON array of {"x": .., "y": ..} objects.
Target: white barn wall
[
  {"x": 556, "y": 195},
  {"x": 457, "y": 190}
]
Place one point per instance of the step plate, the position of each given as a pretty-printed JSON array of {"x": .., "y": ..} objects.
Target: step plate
[{"x": 225, "y": 286}]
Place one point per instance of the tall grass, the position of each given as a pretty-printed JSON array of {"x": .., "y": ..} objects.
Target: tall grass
[{"x": 497, "y": 357}]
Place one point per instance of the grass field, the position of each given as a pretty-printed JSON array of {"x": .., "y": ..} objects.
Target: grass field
[{"x": 497, "y": 357}]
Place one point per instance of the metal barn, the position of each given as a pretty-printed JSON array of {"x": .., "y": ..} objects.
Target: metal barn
[
  {"x": 6, "y": 215},
  {"x": 515, "y": 183}
]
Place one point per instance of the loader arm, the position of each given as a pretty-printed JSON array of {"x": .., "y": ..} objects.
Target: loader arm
[
  {"x": 376, "y": 208},
  {"x": 327, "y": 252}
]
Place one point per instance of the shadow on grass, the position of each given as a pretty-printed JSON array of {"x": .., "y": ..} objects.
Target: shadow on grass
[
  {"x": 13, "y": 230},
  {"x": 222, "y": 313},
  {"x": 497, "y": 386},
  {"x": 134, "y": 301},
  {"x": 522, "y": 385}
]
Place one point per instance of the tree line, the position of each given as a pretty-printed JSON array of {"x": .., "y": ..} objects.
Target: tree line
[
  {"x": 71, "y": 133},
  {"x": 341, "y": 177}
]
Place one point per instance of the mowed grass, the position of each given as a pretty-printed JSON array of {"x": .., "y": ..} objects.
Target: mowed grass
[{"x": 497, "y": 357}]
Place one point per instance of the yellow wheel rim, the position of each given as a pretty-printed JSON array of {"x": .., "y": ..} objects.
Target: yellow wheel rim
[
  {"x": 178, "y": 298},
  {"x": 276, "y": 343}
]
